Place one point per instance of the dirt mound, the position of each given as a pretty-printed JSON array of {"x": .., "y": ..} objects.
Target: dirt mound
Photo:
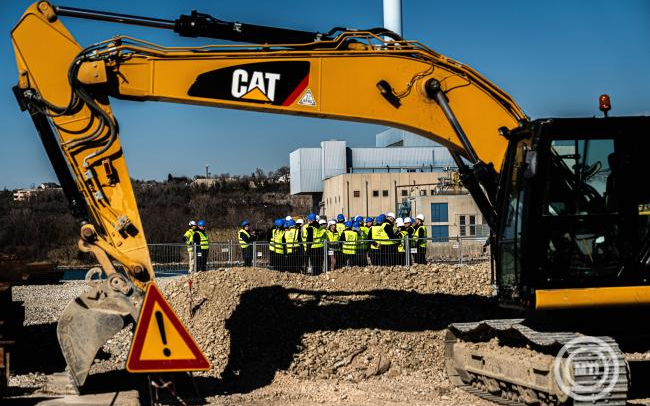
[{"x": 351, "y": 324}]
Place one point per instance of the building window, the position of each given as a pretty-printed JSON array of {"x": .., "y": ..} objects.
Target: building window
[
  {"x": 405, "y": 192},
  {"x": 439, "y": 213},
  {"x": 423, "y": 192},
  {"x": 375, "y": 193},
  {"x": 467, "y": 225},
  {"x": 384, "y": 193},
  {"x": 357, "y": 193},
  {"x": 440, "y": 233}
]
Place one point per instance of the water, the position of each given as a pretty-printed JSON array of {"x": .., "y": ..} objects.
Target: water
[{"x": 77, "y": 274}]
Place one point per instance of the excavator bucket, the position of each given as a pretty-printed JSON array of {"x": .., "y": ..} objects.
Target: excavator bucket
[{"x": 92, "y": 318}]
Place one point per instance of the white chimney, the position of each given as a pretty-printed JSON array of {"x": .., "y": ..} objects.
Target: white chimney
[{"x": 393, "y": 16}]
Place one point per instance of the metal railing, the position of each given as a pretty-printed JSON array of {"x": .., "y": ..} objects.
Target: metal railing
[{"x": 172, "y": 259}]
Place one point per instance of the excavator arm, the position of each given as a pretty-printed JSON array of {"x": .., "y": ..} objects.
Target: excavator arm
[{"x": 343, "y": 74}]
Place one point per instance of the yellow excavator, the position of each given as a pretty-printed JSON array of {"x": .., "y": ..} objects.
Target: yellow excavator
[{"x": 562, "y": 196}]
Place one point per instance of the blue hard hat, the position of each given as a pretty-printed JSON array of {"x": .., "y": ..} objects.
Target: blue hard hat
[
  {"x": 244, "y": 223},
  {"x": 285, "y": 223},
  {"x": 311, "y": 217},
  {"x": 200, "y": 223},
  {"x": 279, "y": 222},
  {"x": 291, "y": 223},
  {"x": 340, "y": 217},
  {"x": 381, "y": 218},
  {"x": 358, "y": 219},
  {"x": 348, "y": 224},
  {"x": 368, "y": 219},
  {"x": 355, "y": 224}
]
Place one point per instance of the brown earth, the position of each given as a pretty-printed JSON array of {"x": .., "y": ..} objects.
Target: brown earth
[{"x": 353, "y": 336}]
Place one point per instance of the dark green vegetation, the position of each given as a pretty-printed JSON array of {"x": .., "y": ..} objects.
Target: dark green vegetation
[{"x": 41, "y": 227}]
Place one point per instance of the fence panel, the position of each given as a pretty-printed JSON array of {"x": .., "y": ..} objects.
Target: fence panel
[{"x": 173, "y": 259}]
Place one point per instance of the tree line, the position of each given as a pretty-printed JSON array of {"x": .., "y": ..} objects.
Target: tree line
[{"x": 42, "y": 228}]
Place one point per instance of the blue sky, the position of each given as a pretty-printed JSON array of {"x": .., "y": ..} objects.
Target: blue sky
[{"x": 553, "y": 57}]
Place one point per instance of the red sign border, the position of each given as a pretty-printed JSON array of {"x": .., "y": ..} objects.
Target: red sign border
[{"x": 134, "y": 364}]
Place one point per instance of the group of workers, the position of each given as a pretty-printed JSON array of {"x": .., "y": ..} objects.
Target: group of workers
[
  {"x": 295, "y": 246},
  {"x": 196, "y": 238},
  {"x": 383, "y": 240}
]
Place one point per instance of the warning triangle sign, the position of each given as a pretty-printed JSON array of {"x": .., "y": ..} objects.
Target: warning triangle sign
[
  {"x": 307, "y": 99},
  {"x": 161, "y": 343}
]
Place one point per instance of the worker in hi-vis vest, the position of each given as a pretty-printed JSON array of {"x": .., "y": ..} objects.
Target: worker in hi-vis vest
[{"x": 188, "y": 239}]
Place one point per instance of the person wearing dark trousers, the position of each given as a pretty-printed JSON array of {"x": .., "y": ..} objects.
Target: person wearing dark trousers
[
  {"x": 420, "y": 239},
  {"x": 349, "y": 239},
  {"x": 292, "y": 240},
  {"x": 391, "y": 241},
  {"x": 276, "y": 249},
  {"x": 313, "y": 242},
  {"x": 374, "y": 245},
  {"x": 303, "y": 253},
  {"x": 246, "y": 238},
  {"x": 200, "y": 240}
]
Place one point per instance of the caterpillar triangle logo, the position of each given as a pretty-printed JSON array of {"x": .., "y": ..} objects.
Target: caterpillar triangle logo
[
  {"x": 307, "y": 99},
  {"x": 161, "y": 343}
]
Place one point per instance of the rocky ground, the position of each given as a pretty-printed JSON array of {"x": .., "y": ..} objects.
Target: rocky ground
[{"x": 354, "y": 336}]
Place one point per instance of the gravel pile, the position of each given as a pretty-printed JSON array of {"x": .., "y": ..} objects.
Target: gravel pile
[
  {"x": 344, "y": 330},
  {"x": 351, "y": 324}
]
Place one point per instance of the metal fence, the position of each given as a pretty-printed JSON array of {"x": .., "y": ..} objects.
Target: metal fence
[{"x": 171, "y": 259}]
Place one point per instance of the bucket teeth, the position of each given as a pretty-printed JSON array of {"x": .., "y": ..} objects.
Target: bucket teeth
[{"x": 92, "y": 318}]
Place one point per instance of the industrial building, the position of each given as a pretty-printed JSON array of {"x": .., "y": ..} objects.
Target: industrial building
[{"x": 403, "y": 172}]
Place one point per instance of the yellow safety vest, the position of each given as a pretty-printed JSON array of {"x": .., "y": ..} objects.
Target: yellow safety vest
[
  {"x": 381, "y": 236},
  {"x": 350, "y": 243},
  {"x": 402, "y": 244},
  {"x": 272, "y": 242},
  {"x": 421, "y": 236},
  {"x": 291, "y": 238},
  {"x": 374, "y": 236},
  {"x": 365, "y": 231},
  {"x": 318, "y": 234},
  {"x": 332, "y": 235},
  {"x": 205, "y": 244},
  {"x": 243, "y": 244},
  {"x": 340, "y": 227},
  {"x": 189, "y": 237},
  {"x": 277, "y": 237}
]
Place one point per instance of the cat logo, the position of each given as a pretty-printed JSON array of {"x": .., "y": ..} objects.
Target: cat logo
[
  {"x": 279, "y": 83},
  {"x": 259, "y": 86}
]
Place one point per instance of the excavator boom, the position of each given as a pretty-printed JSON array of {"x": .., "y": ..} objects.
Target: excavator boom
[{"x": 351, "y": 75}]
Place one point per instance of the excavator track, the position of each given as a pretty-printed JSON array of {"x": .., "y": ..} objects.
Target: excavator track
[{"x": 507, "y": 362}]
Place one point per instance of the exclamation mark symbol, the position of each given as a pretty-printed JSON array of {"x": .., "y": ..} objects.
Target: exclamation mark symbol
[{"x": 161, "y": 328}]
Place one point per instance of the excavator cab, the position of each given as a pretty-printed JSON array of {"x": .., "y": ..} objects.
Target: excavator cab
[{"x": 571, "y": 186}]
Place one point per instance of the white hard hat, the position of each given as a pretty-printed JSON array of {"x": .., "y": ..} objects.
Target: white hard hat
[
  {"x": 408, "y": 220},
  {"x": 331, "y": 223},
  {"x": 420, "y": 217},
  {"x": 321, "y": 221},
  {"x": 287, "y": 218},
  {"x": 192, "y": 223},
  {"x": 300, "y": 221},
  {"x": 318, "y": 218},
  {"x": 390, "y": 214},
  {"x": 399, "y": 222}
]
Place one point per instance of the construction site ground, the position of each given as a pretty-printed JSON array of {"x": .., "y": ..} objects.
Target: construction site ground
[{"x": 355, "y": 336}]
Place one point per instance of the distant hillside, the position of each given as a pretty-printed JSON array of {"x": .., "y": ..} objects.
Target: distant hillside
[{"x": 42, "y": 228}]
